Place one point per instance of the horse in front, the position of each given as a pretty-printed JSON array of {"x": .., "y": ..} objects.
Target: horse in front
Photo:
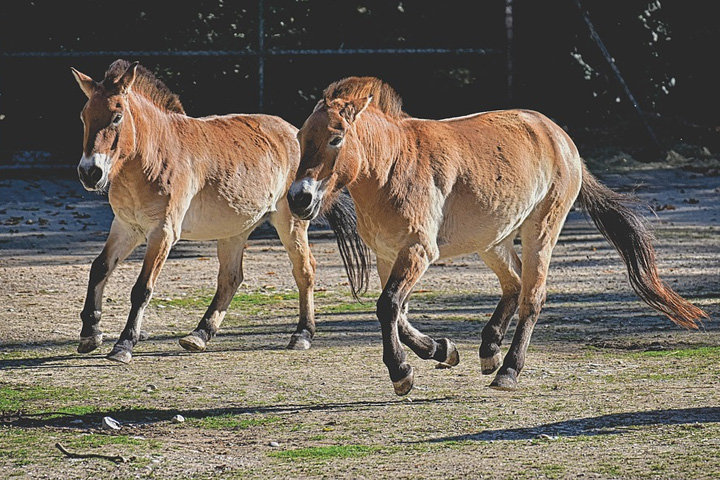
[
  {"x": 430, "y": 189},
  {"x": 172, "y": 177}
]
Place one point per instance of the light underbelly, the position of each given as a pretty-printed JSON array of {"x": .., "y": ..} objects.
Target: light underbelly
[{"x": 211, "y": 219}]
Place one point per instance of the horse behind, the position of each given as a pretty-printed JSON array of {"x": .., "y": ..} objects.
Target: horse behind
[
  {"x": 426, "y": 190},
  {"x": 173, "y": 177}
]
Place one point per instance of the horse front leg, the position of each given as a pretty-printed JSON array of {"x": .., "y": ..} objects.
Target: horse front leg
[
  {"x": 409, "y": 266},
  {"x": 424, "y": 346},
  {"x": 121, "y": 241},
  {"x": 230, "y": 276},
  {"x": 159, "y": 243},
  {"x": 293, "y": 235}
]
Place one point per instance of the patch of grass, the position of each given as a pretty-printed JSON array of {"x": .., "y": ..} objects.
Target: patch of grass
[
  {"x": 230, "y": 421},
  {"x": 252, "y": 303},
  {"x": 21, "y": 397},
  {"x": 694, "y": 352},
  {"x": 17, "y": 446},
  {"x": 100, "y": 440},
  {"x": 334, "y": 451}
]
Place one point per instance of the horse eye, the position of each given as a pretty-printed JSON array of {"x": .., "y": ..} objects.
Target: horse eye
[
  {"x": 117, "y": 119},
  {"x": 336, "y": 141}
]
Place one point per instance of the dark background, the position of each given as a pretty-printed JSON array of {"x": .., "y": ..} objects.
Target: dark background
[{"x": 665, "y": 50}]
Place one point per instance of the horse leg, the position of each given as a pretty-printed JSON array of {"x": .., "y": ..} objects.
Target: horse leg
[
  {"x": 424, "y": 346},
  {"x": 410, "y": 264},
  {"x": 539, "y": 233},
  {"x": 159, "y": 242},
  {"x": 121, "y": 241},
  {"x": 293, "y": 235},
  {"x": 230, "y": 275},
  {"x": 503, "y": 260}
]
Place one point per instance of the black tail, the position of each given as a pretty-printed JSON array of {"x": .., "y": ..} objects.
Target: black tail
[
  {"x": 341, "y": 217},
  {"x": 630, "y": 234}
]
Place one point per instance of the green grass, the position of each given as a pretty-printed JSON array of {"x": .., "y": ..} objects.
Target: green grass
[
  {"x": 334, "y": 451},
  {"x": 694, "y": 352},
  {"x": 21, "y": 397},
  {"x": 230, "y": 422}
]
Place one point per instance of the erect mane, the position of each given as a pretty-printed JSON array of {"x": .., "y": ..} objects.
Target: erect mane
[
  {"x": 384, "y": 97},
  {"x": 146, "y": 84}
]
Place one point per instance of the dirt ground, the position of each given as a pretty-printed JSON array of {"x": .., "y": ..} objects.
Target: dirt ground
[{"x": 611, "y": 389}]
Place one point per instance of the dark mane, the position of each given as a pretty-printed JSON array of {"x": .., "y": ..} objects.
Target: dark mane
[
  {"x": 146, "y": 84},
  {"x": 384, "y": 97}
]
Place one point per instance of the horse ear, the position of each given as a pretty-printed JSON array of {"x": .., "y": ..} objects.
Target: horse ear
[
  {"x": 125, "y": 82},
  {"x": 354, "y": 108},
  {"x": 87, "y": 84}
]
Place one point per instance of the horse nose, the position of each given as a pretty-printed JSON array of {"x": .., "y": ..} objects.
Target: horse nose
[
  {"x": 300, "y": 200},
  {"x": 91, "y": 175}
]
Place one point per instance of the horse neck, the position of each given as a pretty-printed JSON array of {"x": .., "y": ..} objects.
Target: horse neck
[
  {"x": 379, "y": 142},
  {"x": 157, "y": 143}
]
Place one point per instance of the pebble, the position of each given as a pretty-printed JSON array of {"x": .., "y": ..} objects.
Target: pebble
[
  {"x": 178, "y": 418},
  {"x": 274, "y": 444},
  {"x": 151, "y": 388},
  {"x": 109, "y": 423}
]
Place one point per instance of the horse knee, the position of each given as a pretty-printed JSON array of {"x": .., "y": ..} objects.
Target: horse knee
[{"x": 387, "y": 308}]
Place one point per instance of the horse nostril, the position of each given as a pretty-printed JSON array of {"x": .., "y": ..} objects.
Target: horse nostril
[
  {"x": 92, "y": 175},
  {"x": 302, "y": 200}
]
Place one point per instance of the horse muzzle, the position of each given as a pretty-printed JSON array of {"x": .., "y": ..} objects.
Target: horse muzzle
[
  {"x": 93, "y": 171},
  {"x": 305, "y": 198}
]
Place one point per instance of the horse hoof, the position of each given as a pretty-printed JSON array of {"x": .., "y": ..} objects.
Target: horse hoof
[
  {"x": 507, "y": 382},
  {"x": 489, "y": 365},
  {"x": 120, "y": 356},
  {"x": 452, "y": 357},
  {"x": 403, "y": 387},
  {"x": 193, "y": 343},
  {"x": 300, "y": 341},
  {"x": 88, "y": 344}
]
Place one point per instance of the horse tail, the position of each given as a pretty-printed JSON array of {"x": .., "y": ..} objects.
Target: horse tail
[
  {"x": 630, "y": 234},
  {"x": 340, "y": 215}
]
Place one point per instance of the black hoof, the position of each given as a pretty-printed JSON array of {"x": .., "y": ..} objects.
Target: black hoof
[
  {"x": 88, "y": 344},
  {"x": 300, "y": 341},
  {"x": 193, "y": 343},
  {"x": 489, "y": 365},
  {"x": 405, "y": 384},
  {"x": 505, "y": 381},
  {"x": 120, "y": 355},
  {"x": 452, "y": 356}
]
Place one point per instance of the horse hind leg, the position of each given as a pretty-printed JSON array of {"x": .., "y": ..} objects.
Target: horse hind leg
[
  {"x": 442, "y": 350},
  {"x": 504, "y": 262},
  {"x": 294, "y": 237},
  {"x": 539, "y": 234},
  {"x": 230, "y": 275}
]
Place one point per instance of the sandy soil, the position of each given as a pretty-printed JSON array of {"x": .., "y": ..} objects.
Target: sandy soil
[{"x": 592, "y": 402}]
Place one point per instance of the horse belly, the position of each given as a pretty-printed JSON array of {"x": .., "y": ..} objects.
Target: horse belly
[{"x": 211, "y": 218}]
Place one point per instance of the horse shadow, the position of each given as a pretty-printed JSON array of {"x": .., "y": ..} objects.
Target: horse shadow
[{"x": 611, "y": 424}]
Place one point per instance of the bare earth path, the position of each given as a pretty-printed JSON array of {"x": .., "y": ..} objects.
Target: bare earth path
[{"x": 611, "y": 389}]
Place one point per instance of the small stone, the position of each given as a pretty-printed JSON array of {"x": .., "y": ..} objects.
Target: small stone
[
  {"x": 109, "y": 423},
  {"x": 274, "y": 444},
  {"x": 151, "y": 388},
  {"x": 178, "y": 418},
  {"x": 196, "y": 389}
]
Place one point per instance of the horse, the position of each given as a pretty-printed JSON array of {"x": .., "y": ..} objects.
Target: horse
[
  {"x": 172, "y": 177},
  {"x": 430, "y": 189}
]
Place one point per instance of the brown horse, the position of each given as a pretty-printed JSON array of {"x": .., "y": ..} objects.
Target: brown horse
[
  {"x": 426, "y": 189},
  {"x": 171, "y": 176}
]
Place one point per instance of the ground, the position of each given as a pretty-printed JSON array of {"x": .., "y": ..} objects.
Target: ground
[{"x": 611, "y": 389}]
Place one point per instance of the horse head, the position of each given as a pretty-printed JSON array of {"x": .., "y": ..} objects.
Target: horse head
[
  {"x": 108, "y": 124},
  {"x": 327, "y": 162}
]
